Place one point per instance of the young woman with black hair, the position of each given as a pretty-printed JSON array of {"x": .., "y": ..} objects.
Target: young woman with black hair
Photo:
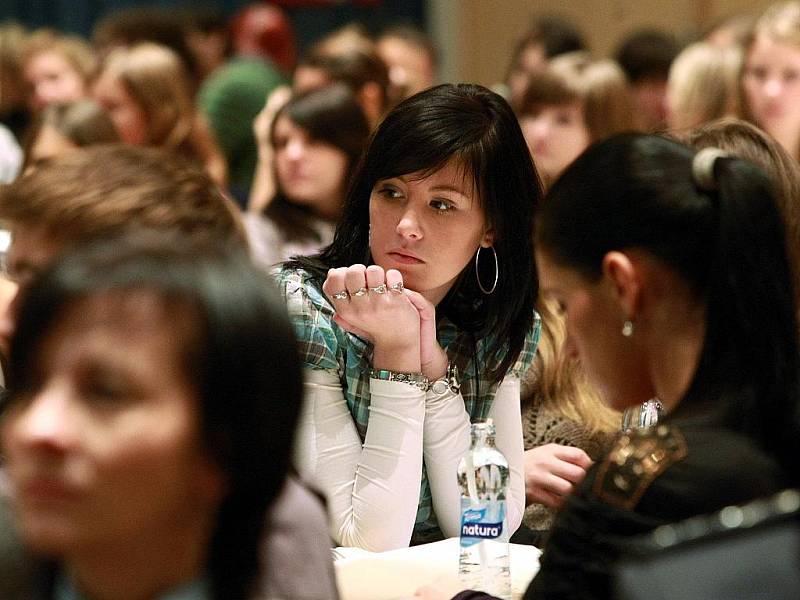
[
  {"x": 153, "y": 396},
  {"x": 419, "y": 318},
  {"x": 315, "y": 142},
  {"x": 670, "y": 266}
]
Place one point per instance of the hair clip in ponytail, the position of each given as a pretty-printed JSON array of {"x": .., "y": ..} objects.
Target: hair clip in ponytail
[{"x": 703, "y": 168}]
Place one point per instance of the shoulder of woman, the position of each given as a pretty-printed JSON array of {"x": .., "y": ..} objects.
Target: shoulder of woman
[
  {"x": 724, "y": 467},
  {"x": 301, "y": 291},
  {"x": 264, "y": 239},
  {"x": 672, "y": 473},
  {"x": 635, "y": 461},
  {"x": 259, "y": 227}
]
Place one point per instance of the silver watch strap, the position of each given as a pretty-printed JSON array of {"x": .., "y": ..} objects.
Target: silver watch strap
[{"x": 417, "y": 380}]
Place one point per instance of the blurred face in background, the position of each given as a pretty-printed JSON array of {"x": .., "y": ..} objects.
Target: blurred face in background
[
  {"x": 128, "y": 116},
  {"x": 650, "y": 103},
  {"x": 310, "y": 172},
  {"x": 103, "y": 446},
  {"x": 307, "y": 78},
  {"x": 532, "y": 59},
  {"x": 771, "y": 84},
  {"x": 556, "y": 135},
  {"x": 410, "y": 67},
  {"x": 52, "y": 78},
  {"x": 49, "y": 144}
]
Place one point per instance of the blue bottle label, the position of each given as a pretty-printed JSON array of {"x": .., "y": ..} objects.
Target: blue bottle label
[{"x": 484, "y": 523}]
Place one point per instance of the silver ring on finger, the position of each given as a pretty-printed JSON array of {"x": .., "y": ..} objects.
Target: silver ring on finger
[
  {"x": 397, "y": 288},
  {"x": 362, "y": 291},
  {"x": 343, "y": 295},
  {"x": 379, "y": 289}
]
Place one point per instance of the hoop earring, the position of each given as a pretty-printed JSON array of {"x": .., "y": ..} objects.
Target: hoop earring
[{"x": 496, "y": 271}]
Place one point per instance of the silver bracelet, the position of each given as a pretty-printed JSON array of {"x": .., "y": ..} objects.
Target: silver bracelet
[
  {"x": 448, "y": 382},
  {"x": 418, "y": 380}
]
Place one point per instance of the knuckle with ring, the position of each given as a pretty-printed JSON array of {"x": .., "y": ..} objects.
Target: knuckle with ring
[
  {"x": 343, "y": 295},
  {"x": 362, "y": 291},
  {"x": 379, "y": 289}
]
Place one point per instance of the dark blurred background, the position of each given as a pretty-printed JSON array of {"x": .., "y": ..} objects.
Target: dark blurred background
[{"x": 311, "y": 18}]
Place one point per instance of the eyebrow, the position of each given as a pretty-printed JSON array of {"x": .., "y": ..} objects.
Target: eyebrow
[
  {"x": 449, "y": 188},
  {"x": 443, "y": 187}
]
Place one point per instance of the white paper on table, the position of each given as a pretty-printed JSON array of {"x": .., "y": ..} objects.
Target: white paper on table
[{"x": 363, "y": 575}]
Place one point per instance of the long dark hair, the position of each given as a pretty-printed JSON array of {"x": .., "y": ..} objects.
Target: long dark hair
[
  {"x": 240, "y": 356},
  {"x": 476, "y": 127},
  {"x": 638, "y": 191},
  {"x": 330, "y": 115}
]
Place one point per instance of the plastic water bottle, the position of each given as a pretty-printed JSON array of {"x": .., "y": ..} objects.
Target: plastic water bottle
[{"x": 483, "y": 478}]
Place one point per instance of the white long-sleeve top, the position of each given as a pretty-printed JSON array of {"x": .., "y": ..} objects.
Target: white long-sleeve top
[{"x": 373, "y": 489}]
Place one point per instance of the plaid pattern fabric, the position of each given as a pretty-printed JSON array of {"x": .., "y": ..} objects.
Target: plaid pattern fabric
[{"x": 324, "y": 345}]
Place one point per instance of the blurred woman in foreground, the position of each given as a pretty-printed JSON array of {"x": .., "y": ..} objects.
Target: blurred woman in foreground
[{"x": 153, "y": 399}]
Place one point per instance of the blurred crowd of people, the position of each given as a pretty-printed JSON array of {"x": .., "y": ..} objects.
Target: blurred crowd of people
[{"x": 219, "y": 247}]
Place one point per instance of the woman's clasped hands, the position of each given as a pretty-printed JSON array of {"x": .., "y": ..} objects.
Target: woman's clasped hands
[{"x": 400, "y": 323}]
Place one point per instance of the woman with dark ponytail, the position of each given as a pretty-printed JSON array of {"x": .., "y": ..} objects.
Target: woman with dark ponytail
[{"x": 671, "y": 269}]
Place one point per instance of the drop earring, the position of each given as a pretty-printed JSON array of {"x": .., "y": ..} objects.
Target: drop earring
[{"x": 627, "y": 328}]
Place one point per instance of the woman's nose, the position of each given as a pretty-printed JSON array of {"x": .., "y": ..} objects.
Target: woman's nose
[
  {"x": 47, "y": 420},
  {"x": 409, "y": 225},
  {"x": 540, "y": 129},
  {"x": 772, "y": 87},
  {"x": 294, "y": 149}
]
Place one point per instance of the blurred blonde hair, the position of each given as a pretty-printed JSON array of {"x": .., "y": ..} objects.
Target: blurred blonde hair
[
  {"x": 557, "y": 381},
  {"x": 349, "y": 38},
  {"x": 780, "y": 22},
  {"x": 75, "y": 50},
  {"x": 156, "y": 79},
  {"x": 703, "y": 85},
  {"x": 599, "y": 86}
]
